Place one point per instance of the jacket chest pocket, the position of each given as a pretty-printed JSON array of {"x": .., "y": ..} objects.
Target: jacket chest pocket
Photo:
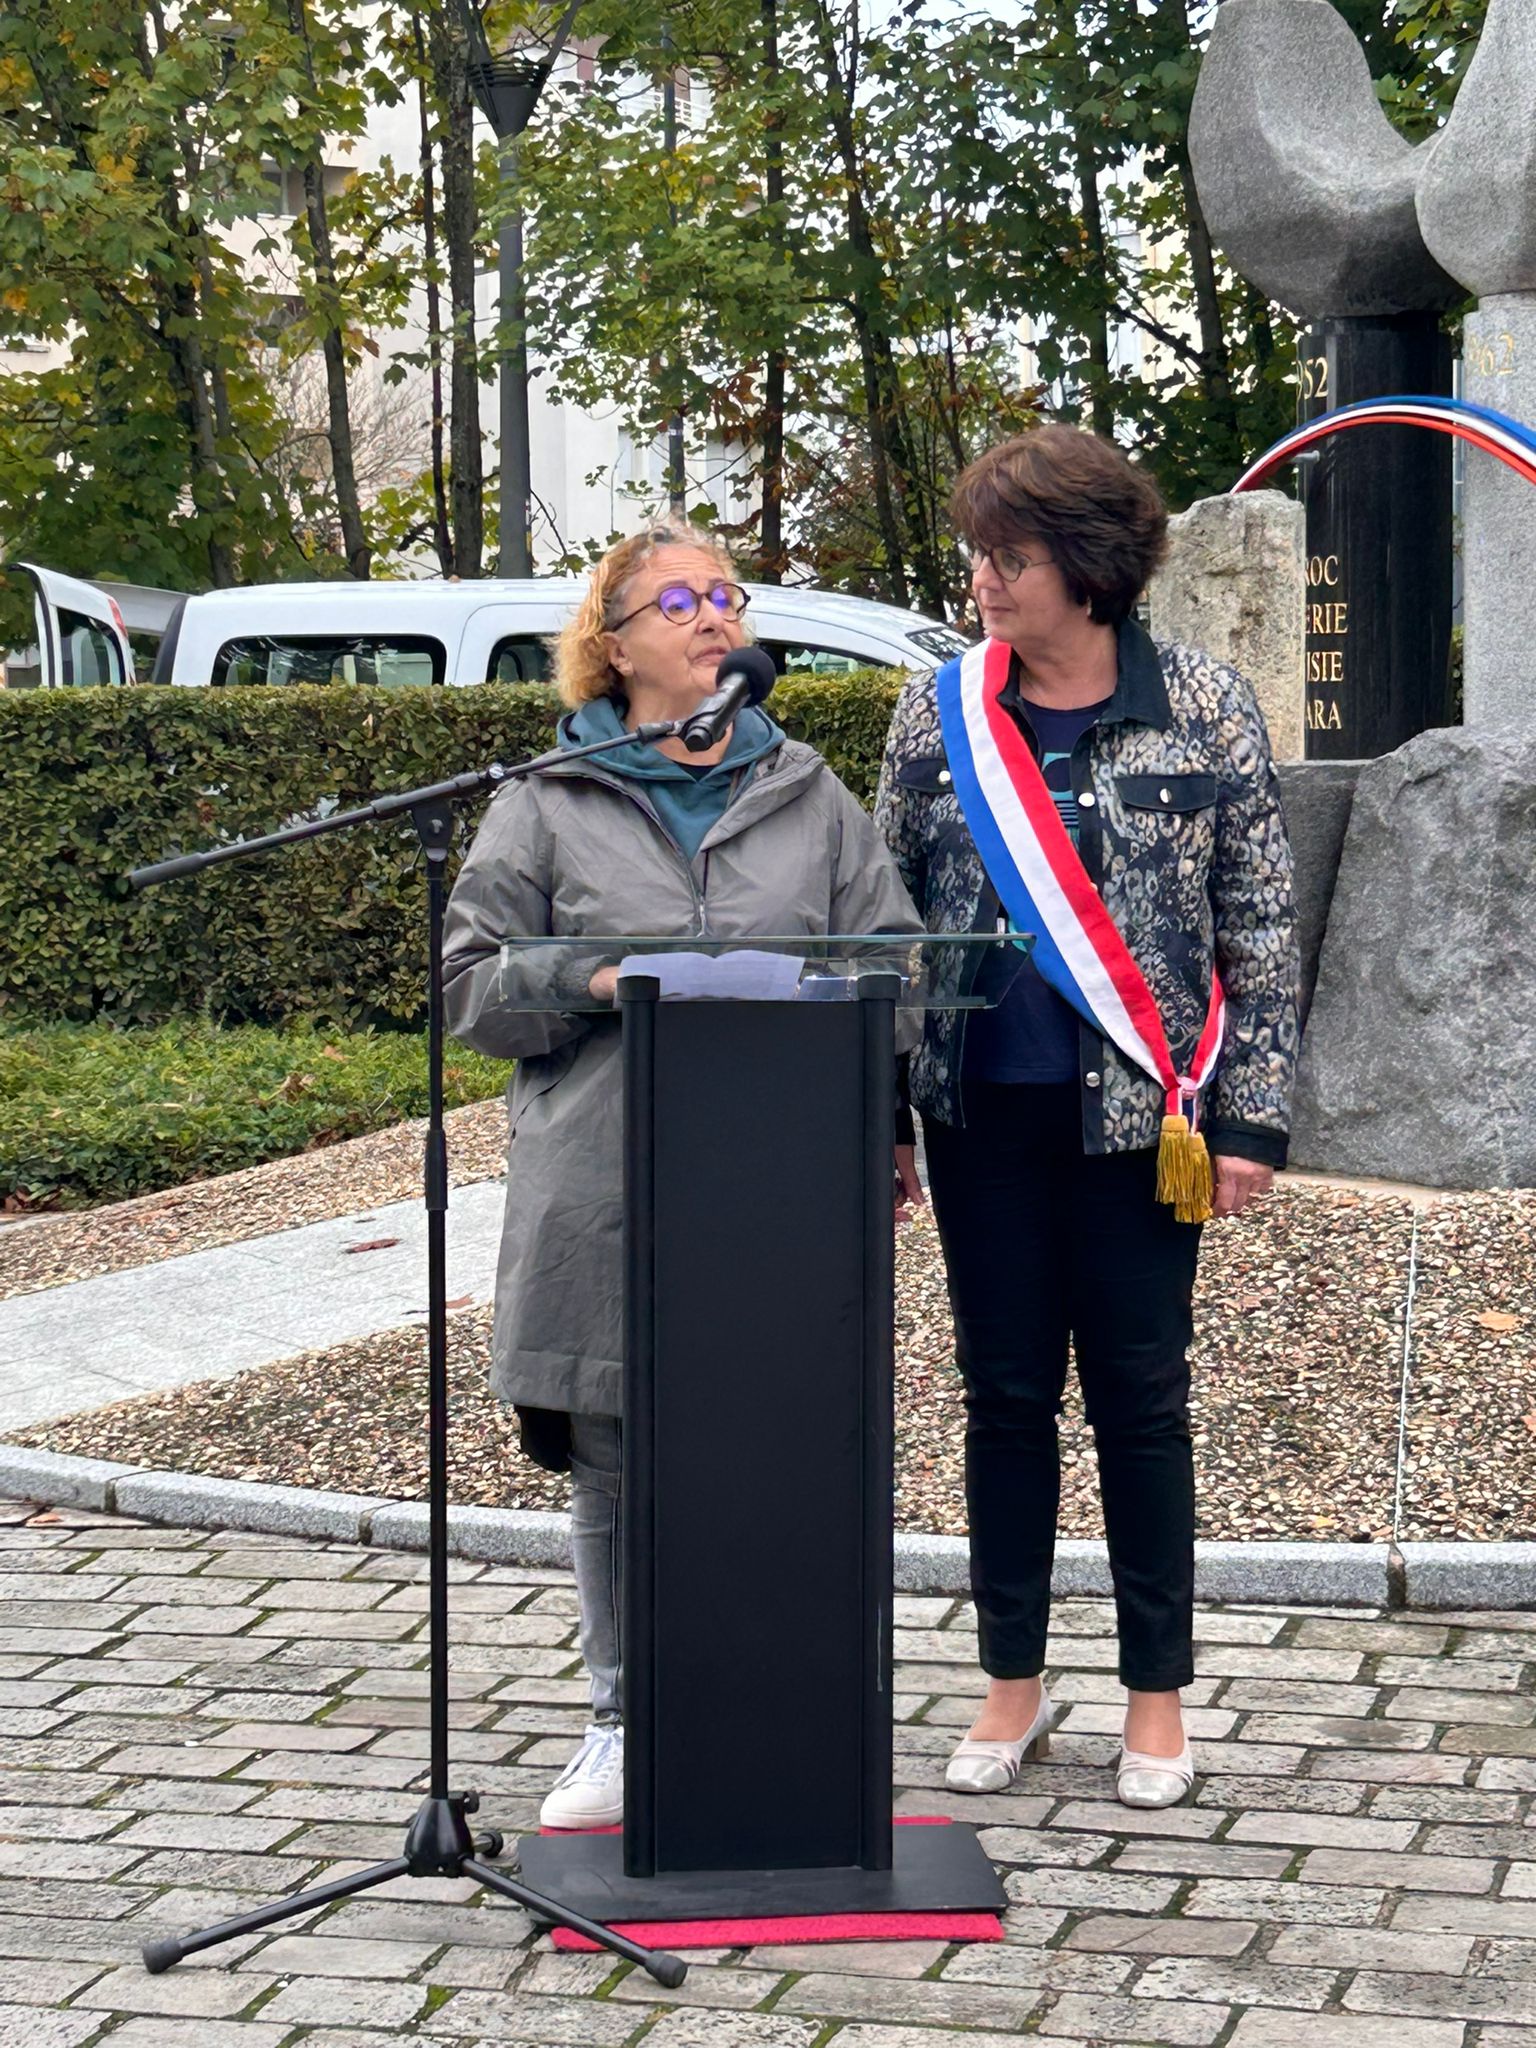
[
  {"x": 1174, "y": 797},
  {"x": 944, "y": 830},
  {"x": 928, "y": 773}
]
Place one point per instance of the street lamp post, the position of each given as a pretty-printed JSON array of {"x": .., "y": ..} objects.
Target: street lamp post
[{"x": 507, "y": 90}]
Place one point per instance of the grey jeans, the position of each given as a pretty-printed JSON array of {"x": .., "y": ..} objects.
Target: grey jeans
[{"x": 596, "y": 1472}]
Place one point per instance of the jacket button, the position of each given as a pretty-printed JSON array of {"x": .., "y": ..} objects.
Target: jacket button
[
  {"x": 1087, "y": 800},
  {"x": 1166, "y": 795},
  {"x": 1090, "y": 1080},
  {"x": 945, "y": 776}
]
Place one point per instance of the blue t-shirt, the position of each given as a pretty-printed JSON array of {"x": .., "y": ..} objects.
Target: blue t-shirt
[{"x": 1031, "y": 1035}]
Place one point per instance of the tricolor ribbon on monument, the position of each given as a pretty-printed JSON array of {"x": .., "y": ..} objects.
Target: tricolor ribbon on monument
[{"x": 1044, "y": 887}]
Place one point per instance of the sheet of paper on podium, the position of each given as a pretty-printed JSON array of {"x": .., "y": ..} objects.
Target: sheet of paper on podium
[{"x": 744, "y": 976}]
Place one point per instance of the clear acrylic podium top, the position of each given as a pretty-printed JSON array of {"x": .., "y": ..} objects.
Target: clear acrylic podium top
[{"x": 950, "y": 971}]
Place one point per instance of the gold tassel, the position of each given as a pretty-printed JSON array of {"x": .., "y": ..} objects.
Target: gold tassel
[{"x": 1184, "y": 1171}]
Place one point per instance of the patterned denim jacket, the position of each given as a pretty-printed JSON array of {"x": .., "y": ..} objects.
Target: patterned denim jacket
[{"x": 1184, "y": 838}]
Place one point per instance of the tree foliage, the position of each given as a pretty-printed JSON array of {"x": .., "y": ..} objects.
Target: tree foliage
[{"x": 884, "y": 236}]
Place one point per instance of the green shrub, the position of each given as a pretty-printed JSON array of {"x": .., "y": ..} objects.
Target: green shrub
[
  {"x": 844, "y": 719},
  {"x": 93, "y": 1114},
  {"x": 96, "y": 782}
]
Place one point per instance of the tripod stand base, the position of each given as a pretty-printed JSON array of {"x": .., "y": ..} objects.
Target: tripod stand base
[
  {"x": 940, "y": 1869},
  {"x": 438, "y": 1844}
]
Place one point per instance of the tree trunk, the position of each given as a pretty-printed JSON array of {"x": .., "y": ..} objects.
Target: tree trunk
[
  {"x": 178, "y": 325},
  {"x": 677, "y": 465},
  {"x": 460, "y": 222},
  {"x": 184, "y": 345},
  {"x": 354, "y": 538},
  {"x": 1213, "y": 336},
  {"x": 1215, "y": 356},
  {"x": 1101, "y": 405},
  {"x": 873, "y": 362},
  {"x": 772, "y": 560},
  {"x": 441, "y": 538}
]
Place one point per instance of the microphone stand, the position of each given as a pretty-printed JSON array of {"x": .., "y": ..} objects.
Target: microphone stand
[{"x": 438, "y": 1842}]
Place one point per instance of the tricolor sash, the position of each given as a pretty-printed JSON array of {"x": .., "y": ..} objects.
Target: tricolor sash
[{"x": 1042, "y": 884}]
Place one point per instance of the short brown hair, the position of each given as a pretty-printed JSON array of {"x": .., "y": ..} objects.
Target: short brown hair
[
  {"x": 1102, "y": 518},
  {"x": 582, "y": 668}
]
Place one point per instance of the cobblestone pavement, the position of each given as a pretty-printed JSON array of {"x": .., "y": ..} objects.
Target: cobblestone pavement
[{"x": 192, "y": 1724}]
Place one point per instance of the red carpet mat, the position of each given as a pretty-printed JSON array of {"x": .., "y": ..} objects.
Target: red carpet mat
[{"x": 676, "y": 1934}]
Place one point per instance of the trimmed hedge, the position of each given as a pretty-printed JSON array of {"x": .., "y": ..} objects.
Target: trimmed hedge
[
  {"x": 95, "y": 782},
  {"x": 93, "y": 1114}
]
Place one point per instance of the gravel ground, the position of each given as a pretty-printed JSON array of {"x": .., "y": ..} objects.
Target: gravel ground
[
  {"x": 1471, "y": 1464},
  {"x": 361, "y": 1173},
  {"x": 1298, "y": 1364}
]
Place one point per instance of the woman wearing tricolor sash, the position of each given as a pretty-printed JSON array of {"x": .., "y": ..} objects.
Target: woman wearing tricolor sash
[{"x": 1113, "y": 803}]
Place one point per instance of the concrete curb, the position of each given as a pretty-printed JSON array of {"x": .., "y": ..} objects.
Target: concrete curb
[
  {"x": 1423, "y": 1575},
  {"x": 1470, "y": 1575}
]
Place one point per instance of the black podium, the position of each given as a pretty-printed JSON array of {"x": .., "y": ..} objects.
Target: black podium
[{"x": 758, "y": 1476}]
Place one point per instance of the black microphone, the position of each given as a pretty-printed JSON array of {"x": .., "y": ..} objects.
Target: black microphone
[{"x": 745, "y": 676}]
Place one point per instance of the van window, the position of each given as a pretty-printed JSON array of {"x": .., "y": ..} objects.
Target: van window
[
  {"x": 943, "y": 641},
  {"x": 21, "y": 668},
  {"x": 329, "y": 658},
  {"x": 521, "y": 658},
  {"x": 800, "y": 658},
  {"x": 88, "y": 652}
]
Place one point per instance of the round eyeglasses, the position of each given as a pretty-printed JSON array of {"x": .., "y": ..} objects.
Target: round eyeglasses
[
  {"x": 1008, "y": 562},
  {"x": 679, "y": 603}
]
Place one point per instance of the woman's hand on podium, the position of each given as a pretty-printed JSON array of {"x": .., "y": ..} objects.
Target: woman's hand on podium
[
  {"x": 604, "y": 985},
  {"x": 909, "y": 1189}
]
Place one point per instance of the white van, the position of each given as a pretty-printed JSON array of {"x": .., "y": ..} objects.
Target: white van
[
  {"x": 80, "y": 635},
  {"x": 493, "y": 631}
]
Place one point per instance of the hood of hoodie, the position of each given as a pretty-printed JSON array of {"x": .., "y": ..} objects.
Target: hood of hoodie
[
  {"x": 688, "y": 804},
  {"x": 753, "y": 734}
]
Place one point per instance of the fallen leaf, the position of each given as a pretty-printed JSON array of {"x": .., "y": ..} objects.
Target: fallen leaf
[
  {"x": 1530, "y": 1423},
  {"x": 460, "y": 1301},
  {"x": 373, "y": 1244},
  {"x": 44, "y": 1520},
  {"x": 1496, "y": 1319}
]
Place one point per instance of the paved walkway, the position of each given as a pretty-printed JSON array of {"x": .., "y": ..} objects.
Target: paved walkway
[
  {"x": 209, "y": 1314},
  {"x": 193, "y": 1724}
]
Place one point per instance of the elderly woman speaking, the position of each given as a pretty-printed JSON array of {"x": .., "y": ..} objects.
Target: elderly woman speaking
[
  {"x": 1071, "y": 779},
  {"x": 753, "y": 837}
]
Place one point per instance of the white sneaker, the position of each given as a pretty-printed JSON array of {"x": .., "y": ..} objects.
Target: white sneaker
[{"x": 589, "y": 1792}]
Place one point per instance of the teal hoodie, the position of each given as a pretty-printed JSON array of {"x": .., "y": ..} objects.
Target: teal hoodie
[{"x": 687, "y": 801}]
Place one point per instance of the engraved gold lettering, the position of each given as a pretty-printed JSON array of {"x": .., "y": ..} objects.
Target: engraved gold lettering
[
  {"x": 1323, "y": 571},
  {"x": 1492, "y": 355}
]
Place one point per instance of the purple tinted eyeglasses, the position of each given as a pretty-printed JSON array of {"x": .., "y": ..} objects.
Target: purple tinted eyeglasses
[{"x": 679, "y": 603}]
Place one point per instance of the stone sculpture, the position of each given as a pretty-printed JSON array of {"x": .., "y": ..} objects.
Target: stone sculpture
[
  {"x": 1234, "y": 584},
  {"x": 1310, "y": 193},
  {"x": 1306, "y": 185},
  {"x": 1421, "y": 1043},
  {"x": 1477, "y": 209}
]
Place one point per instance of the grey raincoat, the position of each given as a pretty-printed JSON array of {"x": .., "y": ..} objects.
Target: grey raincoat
[{"x": 578, "y": 848}]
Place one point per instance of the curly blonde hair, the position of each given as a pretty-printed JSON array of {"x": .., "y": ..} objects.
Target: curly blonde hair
[{"x": 582, "y": 668}]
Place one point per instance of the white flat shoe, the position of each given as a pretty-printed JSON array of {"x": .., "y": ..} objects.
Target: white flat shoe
[
  {"x": 992, "y": 1766},
  {"x": 1153, "y": 1780}
]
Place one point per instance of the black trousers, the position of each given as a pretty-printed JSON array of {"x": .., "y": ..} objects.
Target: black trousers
[{"x": 1044, "y": 1244}]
